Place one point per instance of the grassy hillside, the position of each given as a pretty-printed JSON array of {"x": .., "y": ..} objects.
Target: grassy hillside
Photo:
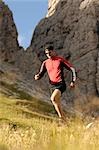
[
  {"x": 14, "y": 110},
  {"x": 27, "y": 123}
]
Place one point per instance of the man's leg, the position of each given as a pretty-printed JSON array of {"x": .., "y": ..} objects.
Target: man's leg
[{"x": 55, "y": 98}]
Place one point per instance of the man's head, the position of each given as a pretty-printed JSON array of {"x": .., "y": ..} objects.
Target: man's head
[{"x": 49, "y": 51}]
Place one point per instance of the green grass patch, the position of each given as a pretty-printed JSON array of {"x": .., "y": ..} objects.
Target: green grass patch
[
  {"x": 27, "y": 101},
  {"x": 14, "y": 110}
]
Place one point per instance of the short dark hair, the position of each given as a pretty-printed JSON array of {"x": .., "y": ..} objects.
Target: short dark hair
[{"x": 49, "y": 47}]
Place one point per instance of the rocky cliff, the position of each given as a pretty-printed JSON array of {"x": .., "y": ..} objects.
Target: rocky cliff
[
  {"x": 72, "y": 27},
  {"x": 8, "y": 35},
  {"x": 14, "y": 61}
]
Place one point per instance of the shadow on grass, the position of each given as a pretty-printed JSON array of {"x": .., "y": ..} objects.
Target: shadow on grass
[{"x": 13, "y": 89}]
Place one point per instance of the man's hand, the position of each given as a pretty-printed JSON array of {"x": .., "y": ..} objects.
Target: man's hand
[
  {"x": 72, "y": 84},
  {"x": 36, "y": 77}
]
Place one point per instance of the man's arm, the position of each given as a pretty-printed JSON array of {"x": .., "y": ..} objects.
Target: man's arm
[
  {"x": 73, "y": 77},
  {"x": 41, "y": 72},
  {"x": 70, "y": 67},
  {"x": 73, "y": 74}
]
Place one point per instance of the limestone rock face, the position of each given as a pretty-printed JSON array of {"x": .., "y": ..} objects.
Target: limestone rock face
[
  {"x": 8, "y": 35},
  {"x": 52, "y": 7},
  {"x": 73, "y": 28}
]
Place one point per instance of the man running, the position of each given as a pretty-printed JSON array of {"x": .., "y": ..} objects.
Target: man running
[{"x": 54, "y": 66}]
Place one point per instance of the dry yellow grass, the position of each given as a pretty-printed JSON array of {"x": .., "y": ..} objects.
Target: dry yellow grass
[
  {"x": 21, "y": 131},
  {"x": 45, "y": 135}
]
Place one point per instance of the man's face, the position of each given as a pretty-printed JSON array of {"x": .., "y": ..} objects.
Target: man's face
[{"x": 49, "y": 53}]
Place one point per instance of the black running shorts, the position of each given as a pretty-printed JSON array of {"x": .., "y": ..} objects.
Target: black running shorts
[{"x": 61, "y": 86}]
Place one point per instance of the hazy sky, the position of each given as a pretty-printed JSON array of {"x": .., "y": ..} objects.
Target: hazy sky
[{"x": 27, "y": 14}]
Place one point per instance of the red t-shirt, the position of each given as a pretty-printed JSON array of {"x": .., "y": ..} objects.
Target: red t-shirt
[{"x": 54, "y": 67}]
